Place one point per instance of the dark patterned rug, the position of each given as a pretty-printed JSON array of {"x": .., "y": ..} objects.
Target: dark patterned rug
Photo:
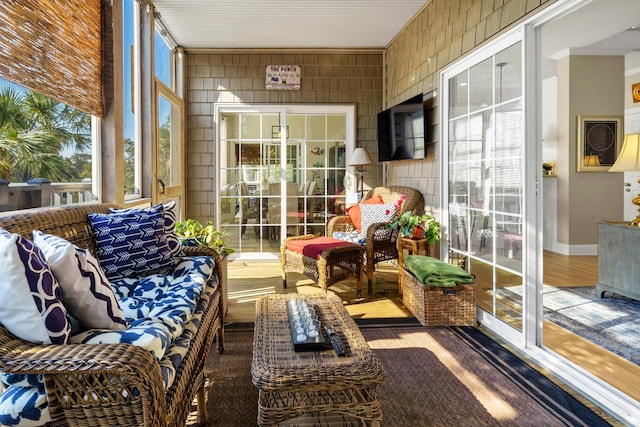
[
  {"x": 612, "y": 322},
  {"x": 435, "y": 377}
]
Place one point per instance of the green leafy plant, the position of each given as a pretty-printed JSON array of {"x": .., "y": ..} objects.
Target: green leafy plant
[
  {"x": 407, "y": 222},
  {"x": 193, "y": 233}
]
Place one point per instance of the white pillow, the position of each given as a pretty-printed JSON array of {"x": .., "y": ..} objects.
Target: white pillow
[
  {"x": 372, "y": 214},
  {"x": 86, "y": 292},
  {"x": 31, "y": 306}
]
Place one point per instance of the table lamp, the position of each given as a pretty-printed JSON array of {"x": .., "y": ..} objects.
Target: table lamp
[
  {"x": 361, "y": 158},
  {"x": 629, "y": 161}
]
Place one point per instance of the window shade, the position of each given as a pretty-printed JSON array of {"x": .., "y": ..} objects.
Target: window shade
[{"x": 53, "y": 47}]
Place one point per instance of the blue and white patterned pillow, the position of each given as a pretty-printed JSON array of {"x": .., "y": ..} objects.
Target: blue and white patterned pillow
[
  {"x": 372, "y": 214},
  {"x": 86, "y": 292},
  {"x": 131, "y": 243},
  {"x": 349, "y": 236},
  {"x": 24, "y": 402},
  {"x": 31, "y": 306},
  {"x": 170, "y": 219}
]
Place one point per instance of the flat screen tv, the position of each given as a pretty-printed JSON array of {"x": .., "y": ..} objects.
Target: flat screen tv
[{"x": 405, "y": 130}]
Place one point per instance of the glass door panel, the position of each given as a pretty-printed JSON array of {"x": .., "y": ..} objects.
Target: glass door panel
[
  {"x": 169, "y": 147},
  {"x": 485, "y": 173},
  {"x": 280, "y": 175}
]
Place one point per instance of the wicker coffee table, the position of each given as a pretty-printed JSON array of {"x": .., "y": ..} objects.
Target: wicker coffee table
[{"x": 296, "y": 383}]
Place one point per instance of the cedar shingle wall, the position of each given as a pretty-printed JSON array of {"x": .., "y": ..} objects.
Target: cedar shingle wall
[
  {"x": 443, "y": 32},
  {"x": 339, "y": 78}
]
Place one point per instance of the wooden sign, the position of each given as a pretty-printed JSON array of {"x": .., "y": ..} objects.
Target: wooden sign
[{"x": 283, "y": 77}]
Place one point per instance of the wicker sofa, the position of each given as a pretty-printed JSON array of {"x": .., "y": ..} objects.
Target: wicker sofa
[
  {"x": 114, "y": 384},
  {"x": 381, "y": 242}
]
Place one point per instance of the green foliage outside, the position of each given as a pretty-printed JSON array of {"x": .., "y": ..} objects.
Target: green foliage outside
[{"x": 34, "y": 130}]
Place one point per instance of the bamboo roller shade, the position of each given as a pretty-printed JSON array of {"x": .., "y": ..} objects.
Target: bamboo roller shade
[{"x": 54, "y": 48}]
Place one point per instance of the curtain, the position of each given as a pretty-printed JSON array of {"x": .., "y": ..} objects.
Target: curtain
[{"x": 54, "y": 48}]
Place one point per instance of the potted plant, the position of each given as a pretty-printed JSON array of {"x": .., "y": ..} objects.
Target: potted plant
[
  {"x": 417, "y": 226},
  {"x": 193, "y": 233}
]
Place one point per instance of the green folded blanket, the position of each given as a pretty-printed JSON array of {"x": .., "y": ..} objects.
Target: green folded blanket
[{"x": 434, "y": 272}]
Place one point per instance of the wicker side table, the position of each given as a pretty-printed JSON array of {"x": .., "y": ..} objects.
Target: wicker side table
[
  {"x": 296, "y": 383},
  {"x": 338, "y": 261}
]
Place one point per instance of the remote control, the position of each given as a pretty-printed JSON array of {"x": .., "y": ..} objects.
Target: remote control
[{"x": 336, "y": 342}]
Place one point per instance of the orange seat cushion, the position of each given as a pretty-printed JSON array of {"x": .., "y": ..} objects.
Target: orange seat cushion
[
  {"x": 355, "y": 214},
  {"x": 312, "y": 248}
]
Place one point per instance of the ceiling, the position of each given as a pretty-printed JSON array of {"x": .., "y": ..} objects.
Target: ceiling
[{"x": 281, "y": 24}]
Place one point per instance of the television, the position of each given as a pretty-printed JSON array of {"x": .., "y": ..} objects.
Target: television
[{"x": 406, "y": 130}]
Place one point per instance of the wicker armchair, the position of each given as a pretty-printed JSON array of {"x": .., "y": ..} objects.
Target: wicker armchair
[{"x": 381, "y": 243}]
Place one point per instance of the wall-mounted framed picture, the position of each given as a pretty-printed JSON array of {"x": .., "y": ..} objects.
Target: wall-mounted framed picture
[
  {"x": 635, "y": 92},
  {"x": 599, "y": 141}
]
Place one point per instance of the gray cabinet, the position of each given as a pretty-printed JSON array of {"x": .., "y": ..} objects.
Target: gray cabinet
[{"x": 618, "y": 259}]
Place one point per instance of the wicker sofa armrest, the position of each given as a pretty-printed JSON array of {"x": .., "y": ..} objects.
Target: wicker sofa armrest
[
  {"x": 339, "y": 223},
  {"x": 99, "y": 379}
]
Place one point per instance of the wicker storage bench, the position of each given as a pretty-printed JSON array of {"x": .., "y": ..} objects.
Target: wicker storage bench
[
  {"x": 128, "y": 378},
  {"x": 439, "y": 306}
]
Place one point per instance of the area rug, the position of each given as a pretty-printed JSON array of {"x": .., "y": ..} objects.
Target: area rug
[
  {"x": 434, "y": 377},
  {"x": 612, "y": 322}
]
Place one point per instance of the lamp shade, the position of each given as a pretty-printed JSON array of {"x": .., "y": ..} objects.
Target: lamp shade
[
  {"x": 629, "y": 158},
  {"x": 360, "y": 157}
]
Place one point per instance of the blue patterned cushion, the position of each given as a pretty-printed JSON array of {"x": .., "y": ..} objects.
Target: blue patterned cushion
[
  {"x": 170, "y": 219},
  {"x": 350, "y": 236},
  {"x": 31, "y": 306},
  {"x": 131, "y": 243},
  {"x": 86, "y": 292},
  {"x": 25, "y": 406},
  {"x": 150, "y": 334}
]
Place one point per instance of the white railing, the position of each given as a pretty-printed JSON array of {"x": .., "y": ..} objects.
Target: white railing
[{"x": 41, "y": 192}]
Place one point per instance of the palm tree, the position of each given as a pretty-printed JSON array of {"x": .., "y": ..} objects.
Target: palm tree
[{"x": 33, "y": 131}]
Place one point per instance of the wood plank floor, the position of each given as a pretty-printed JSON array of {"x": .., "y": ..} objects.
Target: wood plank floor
[{"x": 249, "y": 279}]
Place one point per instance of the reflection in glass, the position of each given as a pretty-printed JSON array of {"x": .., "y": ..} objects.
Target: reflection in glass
[
  {"x": 486, "y": 179},
  {"x": 169, "y": 156}
]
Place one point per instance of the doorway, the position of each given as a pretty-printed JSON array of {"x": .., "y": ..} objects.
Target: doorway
[{"x": 282, "y": 172}]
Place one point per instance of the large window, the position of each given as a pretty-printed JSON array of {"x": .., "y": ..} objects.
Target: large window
[
  {"x": 45, "y": 151},
  {"x": 132, "y": 167}
]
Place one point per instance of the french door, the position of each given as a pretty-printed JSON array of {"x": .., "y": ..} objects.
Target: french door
[{"x": 282, "y": 172}]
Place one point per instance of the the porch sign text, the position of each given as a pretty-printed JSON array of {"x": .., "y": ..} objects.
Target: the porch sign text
[{"x": 283, "y": 77}]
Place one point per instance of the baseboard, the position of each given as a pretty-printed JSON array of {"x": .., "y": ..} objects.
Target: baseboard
[{"x": 564, "y": 249}]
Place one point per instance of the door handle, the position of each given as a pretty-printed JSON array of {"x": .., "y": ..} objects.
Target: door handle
[
  {"x": 161, "y": 186},
  {"x": 627, "y": 184}
]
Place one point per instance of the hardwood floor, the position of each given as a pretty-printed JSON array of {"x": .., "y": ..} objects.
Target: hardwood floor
[{"x": 249, "y": 279}]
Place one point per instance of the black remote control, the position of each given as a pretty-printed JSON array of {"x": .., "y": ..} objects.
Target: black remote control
[{"x": 336, "y": 342}]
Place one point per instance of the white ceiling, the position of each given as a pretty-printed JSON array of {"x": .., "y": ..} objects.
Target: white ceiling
[{"x": 286, "y": 23}]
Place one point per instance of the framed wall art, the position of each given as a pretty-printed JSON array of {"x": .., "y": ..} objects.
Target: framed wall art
[{"x": 599, "y": 140}]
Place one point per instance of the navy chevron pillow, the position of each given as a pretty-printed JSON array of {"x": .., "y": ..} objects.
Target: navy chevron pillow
[
  {"x": 170, "y": 218},
  {"x": 131, "y": 243}
]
